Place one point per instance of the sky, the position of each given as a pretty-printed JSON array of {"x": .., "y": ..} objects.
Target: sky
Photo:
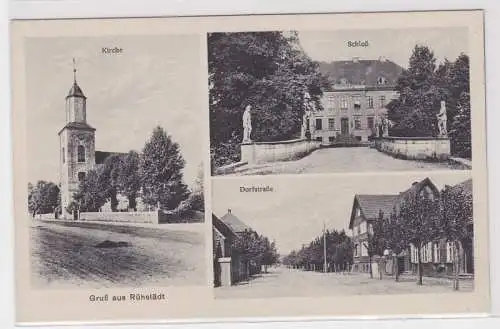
[
  {"x": 395, "y": 45},
  {"x": 157, "y": 80},
  {"x": 294, "y": 214}
]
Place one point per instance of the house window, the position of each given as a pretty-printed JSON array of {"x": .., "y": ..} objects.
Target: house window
[
  {"x": 319, "y": 138},
  {"x": 370, "y": 228},
  {"x": 356, "y": 250},
  {"x": 81, "y": 153},
  {"x": 63, "y": 156},
  {"x": 362, "y": 227},
  {"x": 343, "y": 103},
  {"x": 437, "y": 258},
  {"x": 319, "y": 124},
  {"x": 331, "y": 139},
  {"x": 370, "y": 102},
  {"x": 357, "y": 102},
  {"x": 382, "y": 101},
  {"x": 81, "y": 176},
  {"x": 331, "y": 102},
  {"x": 449, "y": 252},
  {"x": 331, "y": 124},
  {"x": 357, "y": 123},
  {"x": 370, "y": 122},
  {"x": 364, "y": 250}
]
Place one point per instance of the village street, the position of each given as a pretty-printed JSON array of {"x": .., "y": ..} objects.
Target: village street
[
  {"x": 284, "y": 282},
  {"x": 344, "y": 159},
  {"x": 116, "y": 255}
]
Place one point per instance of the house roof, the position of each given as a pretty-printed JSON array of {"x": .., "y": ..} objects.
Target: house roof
[
  {"x": 223, "y": 228},
  {"x": 361, "y": 72},
  {"x": 234, "y": 223},
  {"x": 465, "y": 185},
  {"x": 371, "y": 205},
  {"x": 416, "y": 188}
]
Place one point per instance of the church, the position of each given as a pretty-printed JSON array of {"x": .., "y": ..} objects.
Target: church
[{"x": 76, "y": 145}]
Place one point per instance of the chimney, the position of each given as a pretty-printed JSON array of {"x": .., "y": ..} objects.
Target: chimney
[
  {"x": 355, "y": 59},
  {"x": 229, "y": 211}
]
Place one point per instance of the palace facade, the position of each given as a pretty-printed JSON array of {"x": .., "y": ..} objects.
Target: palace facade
[{"x": 357, "y": 99}]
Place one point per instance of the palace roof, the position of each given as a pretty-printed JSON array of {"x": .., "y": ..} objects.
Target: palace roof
[{"x": 362, "y": 72}]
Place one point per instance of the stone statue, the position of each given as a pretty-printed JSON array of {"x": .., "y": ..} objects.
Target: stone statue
[
  {"x": 247, "y": 124},
  {"x": 441, "y": 116}
]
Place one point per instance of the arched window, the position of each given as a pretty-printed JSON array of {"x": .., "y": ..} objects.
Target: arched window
[{"x": 81, "y": 153}]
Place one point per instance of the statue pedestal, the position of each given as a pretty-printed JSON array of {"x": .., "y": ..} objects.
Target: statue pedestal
[
  {"x": 248, "y": 153},
  {"x": 225, "y": 271}
]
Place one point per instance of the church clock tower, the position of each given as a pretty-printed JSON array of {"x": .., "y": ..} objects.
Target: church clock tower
[{"x": 76, "y": 145}]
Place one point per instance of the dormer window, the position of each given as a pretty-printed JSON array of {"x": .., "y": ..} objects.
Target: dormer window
[{"x": 381, "y": 81}]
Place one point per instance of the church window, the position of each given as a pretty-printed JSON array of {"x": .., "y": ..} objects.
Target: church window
[
  {"x": 81, "y": 176},
  {"x": 63, "y": 156},
  {"x": 81, "y": 153}
]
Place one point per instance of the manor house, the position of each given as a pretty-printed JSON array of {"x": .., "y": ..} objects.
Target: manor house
[{"x": 357, "y": 99}]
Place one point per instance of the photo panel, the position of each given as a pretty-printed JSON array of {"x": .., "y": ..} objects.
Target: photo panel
[{"x": 346, "y": 100}]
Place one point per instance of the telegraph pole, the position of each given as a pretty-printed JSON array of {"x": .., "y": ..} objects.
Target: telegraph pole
[{"x": 324, "y": 247}]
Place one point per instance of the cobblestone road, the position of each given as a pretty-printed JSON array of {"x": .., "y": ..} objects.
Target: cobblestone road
[
  {"x": 283, "y": 282},
  {"x": 346, "y": 159}
]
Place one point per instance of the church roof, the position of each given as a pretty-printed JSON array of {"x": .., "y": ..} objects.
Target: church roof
[
  {"x": 101, "y": 156},
  {"x": 78, "y": 125},
  {"x": 75, "y": 91}
]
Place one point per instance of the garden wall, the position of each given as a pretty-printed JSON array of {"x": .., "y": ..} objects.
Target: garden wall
[
  {"x": 415, "y": 148},
  {"x": 262, "y": 152}
]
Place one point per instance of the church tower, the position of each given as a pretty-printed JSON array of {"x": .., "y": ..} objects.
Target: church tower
[{"x": 76, "y": 145}]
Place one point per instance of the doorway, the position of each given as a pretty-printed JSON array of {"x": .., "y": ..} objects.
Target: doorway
[{"x": 344, "y": 126}]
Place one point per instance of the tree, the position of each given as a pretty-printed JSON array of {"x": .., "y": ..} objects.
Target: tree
[
  {"x": 460, "y": 130},
  {"x": 456, "y": 222},
  {"x": 161, "y": 168},
  {"x": 268, "y": 70},
  {"x": 109, "y": 179},
  {"x": 90, "y": 196},
  {"x": 419, "y": 217},
  {"x": 129, "y": 182},
  {"x": 375, "y": 243},
  {"x": 396, "y": 238},
  {"x": 414, "y": 112},
  {"x": 43, "y": 198}
]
